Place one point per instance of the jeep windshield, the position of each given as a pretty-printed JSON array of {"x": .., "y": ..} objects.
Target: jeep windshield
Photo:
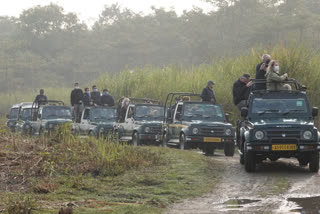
[
  {"x": 202, "y": 111},
  {"x": 56, "y": 112},
  {"x": 279, "y": 107},
  {"x": 149, "y": 112},
  {"x": 13, "y": 113},
  {"x": 102, "y": 114},
  {"x": 26, "y": 114}
]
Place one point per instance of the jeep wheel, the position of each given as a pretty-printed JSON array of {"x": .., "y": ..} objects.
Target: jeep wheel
[
  {"x": 135, "y": 139},
  {"x": 242, "y": 159},
  {"x": 164, "y": 140},
  {"x": 314, "y": 162},
  {"x": 229, "y": 149},
  {"x": 249, "y": 161},
  {"x": 209, "y": 149},
  {"x": 182, "y": 142}
]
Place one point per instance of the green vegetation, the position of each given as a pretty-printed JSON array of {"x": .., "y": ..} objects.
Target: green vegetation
[{"x": 97, "y": 175}]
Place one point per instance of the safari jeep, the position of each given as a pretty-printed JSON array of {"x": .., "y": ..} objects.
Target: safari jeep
[
  {"x": 25, "y": 116},
  {"x": 96, "y": 121},
  {"x": 12, "y": 117},
  {"x": 197, "y": 124},
  {"x": 278, "y": 124},
  {"x": 45, "y": 118},
  {"x": 142, "y": 123}
]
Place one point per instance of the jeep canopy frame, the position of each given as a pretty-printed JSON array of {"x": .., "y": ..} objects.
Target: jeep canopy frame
[{"x": 290, "y": 81}]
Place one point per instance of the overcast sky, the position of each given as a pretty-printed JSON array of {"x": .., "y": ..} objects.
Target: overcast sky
[{"x": 88, "y": 10}]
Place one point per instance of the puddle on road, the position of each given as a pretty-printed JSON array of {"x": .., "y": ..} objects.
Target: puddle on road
[
  {"x": 238, "y": 203},
  {"x": 308, "y": 205}
]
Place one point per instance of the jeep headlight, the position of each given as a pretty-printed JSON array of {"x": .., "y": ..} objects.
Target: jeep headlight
[
  {"x": 147, "y": 129},
  {"x": 259, "y": 135},
  {"x": 50, "y": 126},
  {"x": 195, "y": 131},
  {"x": 228, "y": 132},
  {"x": 307, "y": 135}
]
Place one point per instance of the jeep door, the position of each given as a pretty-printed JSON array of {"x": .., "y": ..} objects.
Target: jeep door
[{"x": 128, "y": 124}]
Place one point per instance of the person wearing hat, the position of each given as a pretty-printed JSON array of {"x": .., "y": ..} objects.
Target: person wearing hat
[
  {"x": 241, "y": 90},
  {"x": 207, "y": 94},
  {"x": 77, "y": 102}
]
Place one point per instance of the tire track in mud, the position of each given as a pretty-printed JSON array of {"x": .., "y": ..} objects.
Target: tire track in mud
[{"x": 265, "y": 191}]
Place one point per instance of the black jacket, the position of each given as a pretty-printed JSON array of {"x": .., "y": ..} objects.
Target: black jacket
[
  {"x": 208, "y": 94},
  {"x": 41, "y": 99},
  {"x": 240, "y": 92},
  {"x": 86, "y": 99},
  {"x": 96, "y": 97},
  {"x": 76, "y": 96},
  {"x": 260, "y": 75},
  {"x": 122, "y": 114},
  {"x": 107, "y": 99}
]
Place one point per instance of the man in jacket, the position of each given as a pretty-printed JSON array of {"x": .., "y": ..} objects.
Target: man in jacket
[
  {"x": 274, "y": 79},
  {"x": 207, "y": 94},
  {"x": 77, "y": 102},
  {"x": 95, "y": 96},
  {"x": 261, "y": 70},
  {"x": 41, "y": 99},
  {"x": 241, "y": 91},
  {"x": 86, "y": 97},
  {"x": 106, "y": 99}
]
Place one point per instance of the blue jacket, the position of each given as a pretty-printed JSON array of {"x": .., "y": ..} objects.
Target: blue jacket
[{"x": 208, "y": 94}]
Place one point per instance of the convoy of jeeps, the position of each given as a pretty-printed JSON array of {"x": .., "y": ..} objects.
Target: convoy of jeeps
[{"x": 275, "y": 124}]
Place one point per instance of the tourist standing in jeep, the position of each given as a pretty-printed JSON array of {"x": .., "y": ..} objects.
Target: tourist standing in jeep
[
  {"x": 41, "y": 99},
  {"x": 241, "y": 90},
  {"x": 77, "y": 102},
  {"x": 207, "y": 94},
  {"x": 106, "y": 99}
]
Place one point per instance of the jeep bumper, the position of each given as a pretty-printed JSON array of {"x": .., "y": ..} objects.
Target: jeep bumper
[
  {"x": 219, "y": 142},
  {"x": 152, "y": 137},
  {"x": 284, "y": 148}
]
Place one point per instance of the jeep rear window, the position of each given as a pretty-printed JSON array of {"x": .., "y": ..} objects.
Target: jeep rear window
[
  {"x": 14, "y": 113},
  {"x": 281, "y": 106},
  {"x": 102, "y": 114},
  {"x": 203, "y": 111},
  {"x": 26, "y": 114}
]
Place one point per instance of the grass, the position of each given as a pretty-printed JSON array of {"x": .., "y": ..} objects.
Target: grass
[{"x": 99, "y": 176}]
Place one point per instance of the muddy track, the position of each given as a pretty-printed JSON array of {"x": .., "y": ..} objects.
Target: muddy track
[{"x": 276, "y": 187}]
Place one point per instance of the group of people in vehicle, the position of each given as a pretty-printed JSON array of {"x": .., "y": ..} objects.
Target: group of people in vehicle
[{"x": 267, "y": 78}]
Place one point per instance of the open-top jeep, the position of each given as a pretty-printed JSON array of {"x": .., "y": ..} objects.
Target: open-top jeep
[
  {"x": 24, "y": 118},
  {"x": 142, "y": 123},
  {"x": 278, "y": 124},
  {"x": 46, "y": 117},
  {"x": 96, "y": 121},
  {"x": 13, "y": 115},
  {"x": 197, "y": 124}
]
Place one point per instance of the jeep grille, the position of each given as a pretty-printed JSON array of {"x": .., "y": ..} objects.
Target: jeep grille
[
  {"x": 283, "y": 134},
  {"x": 155, "y": 129},
  {"x": 208, "y": 131}
]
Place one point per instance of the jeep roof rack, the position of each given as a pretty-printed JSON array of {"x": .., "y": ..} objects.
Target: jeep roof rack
[
  {"x": 291, "y": 82},
  {"x": 143, "y": 100},
  {"x": 178, "y": 95}
]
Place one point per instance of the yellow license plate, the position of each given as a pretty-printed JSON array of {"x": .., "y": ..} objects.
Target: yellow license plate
[
  {"x": 212, "y": 139},
  {"x": 284, "y": 147}
]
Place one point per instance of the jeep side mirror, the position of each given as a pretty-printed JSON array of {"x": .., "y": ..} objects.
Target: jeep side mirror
[
  {"x": 227, "y": 116},
  {"x": 314, "y": 111},
  {"x": 244, "y": 112}
]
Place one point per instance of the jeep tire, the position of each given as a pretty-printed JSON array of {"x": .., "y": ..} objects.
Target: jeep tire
[
  {"x": 314, "y": 162},
  {"x": 135, "y": 139},
  {"x": 249, "y": 161},
  {"x": 209, "y": 149},
  {"x": 182, "y": 142},
  {"x": 229, "y": 149},
  {"x": 165, "y": 140}
]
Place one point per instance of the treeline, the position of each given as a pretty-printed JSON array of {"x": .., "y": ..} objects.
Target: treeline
[{"x": 47, "y": 47}]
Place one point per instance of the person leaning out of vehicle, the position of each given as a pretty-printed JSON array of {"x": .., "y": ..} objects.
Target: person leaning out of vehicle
[
  {"x": 41, "y": 99},
  {"x": 77, "y": 102},
  {"x": 106, "y": 99},
  {"x": 95, "y": 96},
  {"x": 241, "y": 90},
  {"x": 87, "y": 97},
  {"x": 274, "y": 79},
  {"x": 124, "y": 106},
  {"x": 207, "y": 94}
]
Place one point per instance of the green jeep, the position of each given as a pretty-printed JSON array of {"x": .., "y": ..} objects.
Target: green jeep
[
  {"x": 278, "y": 124},
  {"x": 46, "y": 117},
  {"x": 197, "y": 124},
  {"x": 24, "y": 117},
  {"x": 142, "y": 123},
  {"x": 96, "y": 121},
  {"x": 12, "y": 117}
]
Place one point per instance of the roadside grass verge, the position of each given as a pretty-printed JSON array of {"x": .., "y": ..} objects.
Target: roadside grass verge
[{"x": 97, "y": 176}]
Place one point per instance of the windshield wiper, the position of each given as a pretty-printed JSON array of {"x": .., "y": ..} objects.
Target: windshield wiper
[
  {"x": 269, "y": 110},
  {"x": 293, "y": 110}
]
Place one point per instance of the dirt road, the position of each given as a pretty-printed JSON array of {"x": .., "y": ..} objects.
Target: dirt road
[{"x": 276, "y": 187}]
